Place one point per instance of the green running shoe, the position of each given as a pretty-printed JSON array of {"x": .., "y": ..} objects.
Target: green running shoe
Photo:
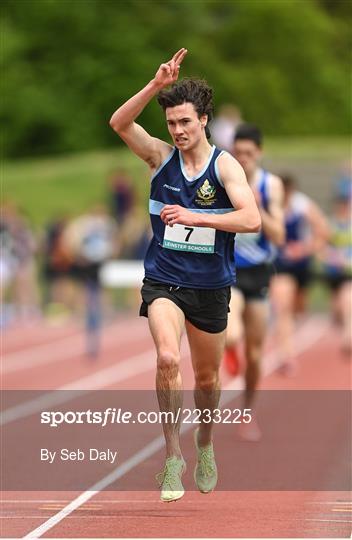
[
  {"x": 169, "y": 479},
  {"x": 205, "y": 473}
]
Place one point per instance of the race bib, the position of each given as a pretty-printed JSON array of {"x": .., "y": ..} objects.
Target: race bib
[{"x": 187, "y": 238}]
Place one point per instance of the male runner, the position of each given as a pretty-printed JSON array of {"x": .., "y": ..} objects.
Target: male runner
[
  {"x": 337, "y": 263},
  {"x": 253, "y": 256},
  {"x": 307, "y": 232},
  {"x": 189, "y": 263}
]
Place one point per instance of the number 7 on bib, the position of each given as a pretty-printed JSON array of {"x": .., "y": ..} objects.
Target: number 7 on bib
[{"x": 192, "y": 239}]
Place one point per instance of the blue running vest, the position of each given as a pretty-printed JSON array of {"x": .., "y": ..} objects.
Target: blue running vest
[
  {"x": 194, "y": 257},
  {"x": 252, "y": 249},
  {"x": 297, "y": 229},
  {"x": 338, "y": 256}
]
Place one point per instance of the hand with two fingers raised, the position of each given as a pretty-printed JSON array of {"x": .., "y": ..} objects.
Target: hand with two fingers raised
[{"x": 168, "y": 72}]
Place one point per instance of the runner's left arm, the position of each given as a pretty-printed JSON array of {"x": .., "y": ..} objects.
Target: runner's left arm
[
  {"x": 273, "y": 219},
  {"x": 320, "y": 234}
]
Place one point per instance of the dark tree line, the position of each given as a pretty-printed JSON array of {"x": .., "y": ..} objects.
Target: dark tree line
[{"x": 67, "y": 65}]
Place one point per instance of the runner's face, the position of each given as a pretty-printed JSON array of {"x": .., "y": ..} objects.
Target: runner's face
[
  {"x": 184, "y": 126},
  {"x": 248, "y": 154}
]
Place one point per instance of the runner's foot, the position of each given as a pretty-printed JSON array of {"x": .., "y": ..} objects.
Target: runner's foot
[
  {"x": 205, "y": 472},
  {"x": 169, "y": 479},
  {"x": 288, "y": 368},
  {"x": 250, "y": 432}
]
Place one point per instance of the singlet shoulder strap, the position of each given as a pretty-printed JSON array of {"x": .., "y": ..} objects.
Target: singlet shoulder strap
[
  {"x": 162, "y": 165},
  {"x": 263, "y": 188}
]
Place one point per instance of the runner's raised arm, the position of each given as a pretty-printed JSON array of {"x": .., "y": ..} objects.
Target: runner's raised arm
[{"x": 150, "y": 149}]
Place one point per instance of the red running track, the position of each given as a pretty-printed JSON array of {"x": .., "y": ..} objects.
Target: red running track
[{"x": 128, "y": 349}]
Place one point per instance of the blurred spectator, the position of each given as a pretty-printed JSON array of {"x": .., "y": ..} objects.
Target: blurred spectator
[
  {"x": 8, "y": 266},
  {"x": 7, "y": 257},
  {"x": 337, "y": 261},
  {"x": 90, "y": 240},
  {"x": 122, "y": 196},
  {"x": 307, "y": 231},
  {"x": 343, "y": 190},
  {"x": 223, "y": 127},
  {"x": 18, "y": 278},
  {"x": 57, "y": 267},
  {"x": 135, "y": 237}
]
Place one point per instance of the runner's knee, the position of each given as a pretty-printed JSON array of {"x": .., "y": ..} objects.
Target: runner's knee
[
  {"x": 168, "y": 360},
  {"x": 254, "y": 352},
  {"x": 283, "y": 306},
  {"x": 206, "y": 381},
  {"x": 232, "y": 340}
]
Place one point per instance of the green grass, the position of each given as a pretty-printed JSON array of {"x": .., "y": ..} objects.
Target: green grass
[
  {"x": 71, "y": 184},
  {"x": 309, "y": 148},
  {"x": 68, "y": 184}
]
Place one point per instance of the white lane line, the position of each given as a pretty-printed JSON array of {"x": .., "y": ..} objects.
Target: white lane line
[
  {"x": 328, "y": 520},
  {"x": 334, "y": 503},
  {"x": 149, "y": 450},
  {"x": 98, "y": 380},
  {"x": 342, "y": 510},
  {"x": 62, "y": 501},
  {"x": 122, "y": 371},
  {"x": 306, "y": 337},
  {"x": 120, "y": 471},
  {"x": 59, "y": 349},
  {"x": 48, "y": 353},
  {"x": 80, "y": 516}
]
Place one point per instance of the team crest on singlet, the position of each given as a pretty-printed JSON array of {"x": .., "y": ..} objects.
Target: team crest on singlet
[{"x": 206, "y": 194}]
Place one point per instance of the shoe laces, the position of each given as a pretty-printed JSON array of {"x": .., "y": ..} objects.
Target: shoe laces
[
  {"x": 207, "y": 460},
  {"x": 171, "y": 472}
]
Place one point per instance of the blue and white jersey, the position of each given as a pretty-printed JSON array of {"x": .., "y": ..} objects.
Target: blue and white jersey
[
  {"x": 195, "y": 257},
  {"x": 297, "y": 228},
  {"x": 252, "y": 249},
  {"x": 296, "y": 213},
  {"x": 338, "y": 253}
]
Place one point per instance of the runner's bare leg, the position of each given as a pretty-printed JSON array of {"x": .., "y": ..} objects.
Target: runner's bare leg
[
  {"x": 207, "y": 351},
  {"x": 166, "y": 323}
]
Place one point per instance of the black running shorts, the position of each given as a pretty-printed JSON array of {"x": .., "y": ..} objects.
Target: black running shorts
[
  {"x": 254, "y": 281},
  {"x": 335, "y": 281},
  {"x": 301, "y": 275},
  {"x": 206, "y": 309}
]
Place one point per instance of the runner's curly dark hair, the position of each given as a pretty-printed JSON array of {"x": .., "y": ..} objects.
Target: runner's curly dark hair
[{"x": 196, "y": 91}]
